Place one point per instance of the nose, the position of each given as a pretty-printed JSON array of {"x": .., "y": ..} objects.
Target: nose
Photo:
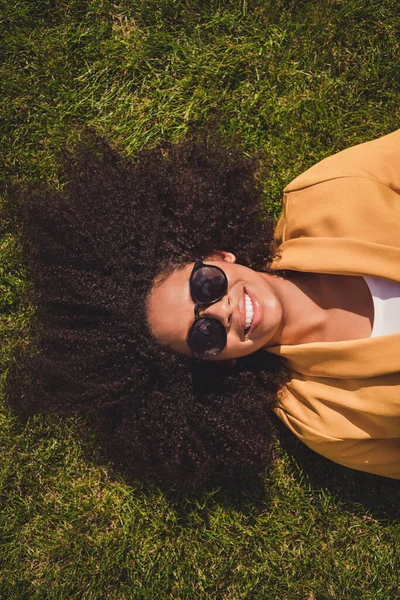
[{"x": 221, "y": 310}]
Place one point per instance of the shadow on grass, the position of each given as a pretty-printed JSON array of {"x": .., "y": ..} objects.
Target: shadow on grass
[
  {"x": 359, "y": 492},
  {"x": 250, "y": 495},
  {"x": 72, "y": 435}
]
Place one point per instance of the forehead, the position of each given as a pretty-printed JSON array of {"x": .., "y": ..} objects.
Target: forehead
[{"x": 171, "y": 309}]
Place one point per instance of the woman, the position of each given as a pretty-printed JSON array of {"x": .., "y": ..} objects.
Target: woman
[{"x": 171, "y": 253}]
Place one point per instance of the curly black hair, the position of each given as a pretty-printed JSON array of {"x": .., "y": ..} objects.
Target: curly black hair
[{"x": 93, "y": 250}]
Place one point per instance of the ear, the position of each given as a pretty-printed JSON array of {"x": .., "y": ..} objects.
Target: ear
[{"x": 228, "y": 257}]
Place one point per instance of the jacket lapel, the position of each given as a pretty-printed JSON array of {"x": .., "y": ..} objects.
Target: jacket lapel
[
  {"x": 339, "y": 256},
  {"x": 356, "y": 359}
]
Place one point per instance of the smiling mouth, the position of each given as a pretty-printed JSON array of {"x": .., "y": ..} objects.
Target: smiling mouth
[{"x": 249, "y": 312}]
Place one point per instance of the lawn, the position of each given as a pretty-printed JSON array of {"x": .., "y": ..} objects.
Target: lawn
[{"x": 297, "y": 80}]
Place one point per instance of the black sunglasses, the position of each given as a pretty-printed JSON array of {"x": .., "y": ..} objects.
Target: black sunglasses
[{"x": 207, "y": 335}]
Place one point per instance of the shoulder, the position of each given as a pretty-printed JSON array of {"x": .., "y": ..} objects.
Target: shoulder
[
  {"x": 377, "y": 160},
  {"x": 339, "y": 423}
]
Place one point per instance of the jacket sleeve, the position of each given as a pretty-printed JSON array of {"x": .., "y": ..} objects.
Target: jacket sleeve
[
  {"x": 380, "y": 457},
  {"x": 377, "y": 456},
  {"x": 377, "y": 160},
  {"x": 354, "y": 197}
]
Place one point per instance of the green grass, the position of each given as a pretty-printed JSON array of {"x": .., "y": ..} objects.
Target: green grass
[{"x": 298, "y": 80}]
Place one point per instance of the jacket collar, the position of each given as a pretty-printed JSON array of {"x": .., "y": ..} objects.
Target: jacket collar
[
  {"x": 340, "y": 256},
  {"x": 355, "y": 359}
]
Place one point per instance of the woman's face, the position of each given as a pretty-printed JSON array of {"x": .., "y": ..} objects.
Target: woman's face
[{"x": 171, "y": 309}]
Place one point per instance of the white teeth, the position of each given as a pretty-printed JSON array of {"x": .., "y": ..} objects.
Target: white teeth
[{"x": 249, "y": 310}]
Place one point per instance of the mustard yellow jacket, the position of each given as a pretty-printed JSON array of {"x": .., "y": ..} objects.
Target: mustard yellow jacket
[{"x": 343, "y": 216}]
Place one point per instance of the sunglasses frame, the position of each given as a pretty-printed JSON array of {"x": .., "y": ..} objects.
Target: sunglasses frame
[{"x": 197, "y": 265}]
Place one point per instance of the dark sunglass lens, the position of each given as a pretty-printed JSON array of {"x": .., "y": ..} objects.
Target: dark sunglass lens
[
  {"x": 208, "y": 284},
  {"x": 207, "y": 337}
]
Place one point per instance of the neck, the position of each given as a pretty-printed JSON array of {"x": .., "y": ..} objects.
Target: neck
[{"x": 303, "y": 316}]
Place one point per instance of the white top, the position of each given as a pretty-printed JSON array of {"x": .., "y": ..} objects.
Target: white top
[{"x": 386, "y": 298}]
